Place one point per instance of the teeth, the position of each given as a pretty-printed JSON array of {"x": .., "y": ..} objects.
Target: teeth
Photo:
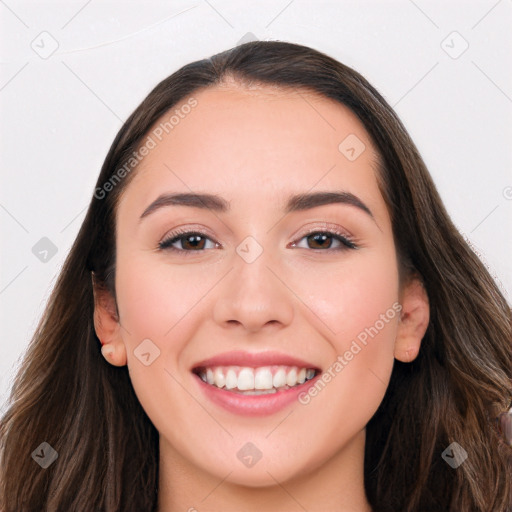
[
  {"x": 260, "y": 392},
  {"x": 231, "y": 379},
  {"x": 291, "y": 377},
  {"x": 256, "y": 381},
  {"x": 245, "y": 379},
  {"x": 263, "y": 378},
  {"x": 219, "y": 378},
  {"x": 280, "y": 378}
]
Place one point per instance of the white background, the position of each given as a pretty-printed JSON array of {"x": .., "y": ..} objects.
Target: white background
[{"x": 61, "y": 113}]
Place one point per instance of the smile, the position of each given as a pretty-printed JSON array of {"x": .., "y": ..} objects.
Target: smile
[{"x": 255, "y": 381}]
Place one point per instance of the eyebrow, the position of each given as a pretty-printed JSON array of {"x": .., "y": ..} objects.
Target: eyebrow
[{"x": 299, "y": 202}]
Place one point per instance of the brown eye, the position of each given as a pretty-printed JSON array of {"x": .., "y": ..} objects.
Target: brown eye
[
  {"x": 325, "y": 239},
  {"x": 190, "y": 241},
  {"x": 320, "y": 240}
]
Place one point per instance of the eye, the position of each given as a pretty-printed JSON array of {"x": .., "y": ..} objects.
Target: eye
[
  {"x": 195, "y": 241},
  {"x": 190, "y": 241},
  {"x": 323, "y": 240}
]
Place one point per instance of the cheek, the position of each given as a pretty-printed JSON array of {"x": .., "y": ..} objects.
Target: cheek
[
  {"x": 359, "y": 312},
  {"x": 155, "y": 305},
  {"x": 154, "y": 297},
  {"x": 162, "y": 303},
  {"x": 351, "y": 297},
  {"x": 156, "y": 302}
]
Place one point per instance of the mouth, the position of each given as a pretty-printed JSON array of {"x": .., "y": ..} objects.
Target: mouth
[
  {"x": 254, "y": 384},
  {"x": 262, "y": 380}
]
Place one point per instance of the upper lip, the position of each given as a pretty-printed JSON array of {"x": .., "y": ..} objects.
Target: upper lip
[{"x": 253, "y": 360}]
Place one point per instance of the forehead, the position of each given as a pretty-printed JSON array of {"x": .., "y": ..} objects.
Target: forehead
[{"x": 258, "y": 140}]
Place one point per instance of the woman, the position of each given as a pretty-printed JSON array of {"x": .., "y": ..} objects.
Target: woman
[{"x": 288, "y": 319}]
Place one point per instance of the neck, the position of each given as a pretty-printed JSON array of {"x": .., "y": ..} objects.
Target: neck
[{"x": 336, "y": 485}]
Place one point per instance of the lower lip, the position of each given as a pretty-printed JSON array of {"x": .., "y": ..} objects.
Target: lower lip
[{"x": 253, "y": 405}]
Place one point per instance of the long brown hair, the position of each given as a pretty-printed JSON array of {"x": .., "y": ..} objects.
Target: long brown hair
[{"x": 67, "y": 395}]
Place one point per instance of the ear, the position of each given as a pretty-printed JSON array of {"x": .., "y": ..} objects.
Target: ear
[
  {"x": 107, "y": 326},
  {"x": 414, "y": 319}
]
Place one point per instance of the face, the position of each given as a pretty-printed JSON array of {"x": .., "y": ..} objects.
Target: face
[{"x": 262, "y": 286}]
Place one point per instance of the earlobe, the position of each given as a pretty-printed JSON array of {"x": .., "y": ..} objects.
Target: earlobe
[
  {"x": 107, "y": 327},
  {"x": 414, "y": 320}
]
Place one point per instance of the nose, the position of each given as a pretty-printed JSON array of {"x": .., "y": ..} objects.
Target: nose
[{"x": 254, "y": 296}]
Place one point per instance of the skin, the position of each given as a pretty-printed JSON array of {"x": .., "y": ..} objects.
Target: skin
[{"x": 296, "y": 300}]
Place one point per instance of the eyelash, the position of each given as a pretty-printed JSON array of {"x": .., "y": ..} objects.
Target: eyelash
[{"x": 166, "y": 244}]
